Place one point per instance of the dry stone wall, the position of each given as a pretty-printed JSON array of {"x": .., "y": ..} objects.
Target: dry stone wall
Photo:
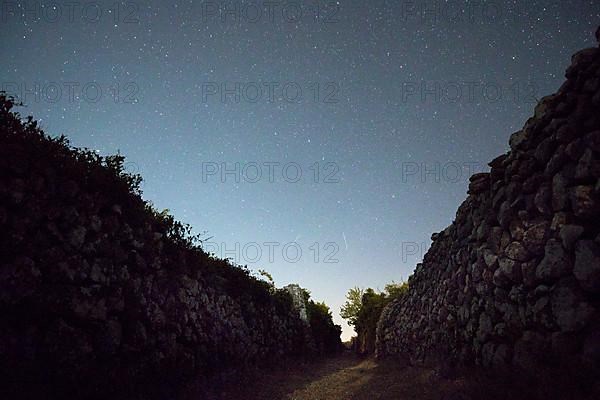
[
  {"x": 97, "y": 300},
  {"x": 515, "y": 279}
]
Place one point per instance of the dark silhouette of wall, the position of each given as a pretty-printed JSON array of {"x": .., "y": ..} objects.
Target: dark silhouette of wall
[
  {"x": 102, "y": 297},
  {"x": 514, "y": 281}
]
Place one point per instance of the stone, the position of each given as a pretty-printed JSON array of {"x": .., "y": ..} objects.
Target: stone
[
  {"x": 554, "y": 125},
  {"x": 77, "y": 237},
  {"x": 489, "y": 257},
  {"x": 517, "y": 139},
  {"x": 487, "y": 354},
  {"x": 499, "y": 197},
  {"x": 555, "y": 262},
  {"x": 545, "y": 150},
  {"x": 558, "y": 220},
  {"x": 535, "y": 237},
  {"x": 500, "y": 279},
  {"x": 559, "y": 192},
  {"x": 584, "y": 202},
  {"x": 569, "y": 235},
  {"x": 517, "y": 294},
  {"x": 479, "y": 183},
  {"x": 584, "y": 56},
  {"x": 505, "y": 214},
  {"x": 528, "y": 274},
  {"x": 96, "y": 274},
  {"x": 542, "y": 200},
  {"x": 587, "y": 265},
  {"x": 516, "y": 251},
  {"x": 541, "y": 290},
  {"x": 498, "y": 162},
  {"x": 532, "y": 183},
  {"x": 298, "y": 299},
  {"x": 95, "y": 223},
  {"x": 508, "y": 272},
  {"x": 569, "y": 309},
  {"x": 588, "y": 166},
  {"x": 485, "y": 327},
  {"x": 575, "y": 149},
  {"x": 566, "y": 133},
  {"x": 487, "y": 275},
  {"x": 543, "y": 107},
  {"x": 494, "y": 239},
  {"x": 517, "y": 230},
  {"x": 510, "y": 269},
  {"x": 476, "y": 272},
  {"x": 591, "y": 85},
  {"x": 541, "y": 312},
  {"x": 557, "y": 161}
]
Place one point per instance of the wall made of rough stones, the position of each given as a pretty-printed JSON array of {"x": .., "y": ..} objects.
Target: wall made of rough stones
[
  {"x": 515, "y": 279},
  {"x": 96, "y": 300}
]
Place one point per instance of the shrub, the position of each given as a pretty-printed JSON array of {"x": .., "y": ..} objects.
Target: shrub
[{"x": 363, "y": 309}]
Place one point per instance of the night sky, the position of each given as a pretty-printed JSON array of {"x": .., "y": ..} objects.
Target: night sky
[{"x": 346, "y": 131}]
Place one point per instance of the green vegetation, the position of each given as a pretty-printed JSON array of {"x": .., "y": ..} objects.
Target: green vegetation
[
  {"x": 325, "y": 332},
  {"x": 363, "y": 308}
]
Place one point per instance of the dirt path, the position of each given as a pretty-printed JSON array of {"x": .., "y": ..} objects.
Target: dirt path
[{"x": 347, "y": 377}]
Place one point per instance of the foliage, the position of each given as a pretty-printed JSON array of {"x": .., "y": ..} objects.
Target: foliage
[
  {"x": 324, "y": 331},
  {"x": 108, "y": 174},
  {"x": 394, "y": 290},
  {"x": 351, "y": 308},
  {"x": 268, "y": 277},
  {"x": 363, "y": 309}
]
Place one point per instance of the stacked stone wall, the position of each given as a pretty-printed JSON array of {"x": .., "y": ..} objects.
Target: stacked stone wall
[{"x": 515, "y": 279}]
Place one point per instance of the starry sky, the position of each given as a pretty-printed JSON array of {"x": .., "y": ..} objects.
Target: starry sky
[{"x": 321, "y": 141}]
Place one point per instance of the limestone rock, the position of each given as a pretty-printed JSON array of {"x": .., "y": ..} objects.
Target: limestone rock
[
  {"x": 569, "y": 234},
  {"x": 535, "y": 237},
  {"x": 555, "y": 262},
  {"x": 570, "y": 310},
  {"x": 587, "y": 265},
  {"x": 517, "y": 139},
  {"x": 516, "y": 251},
  {"x": 584, "y": 201}
]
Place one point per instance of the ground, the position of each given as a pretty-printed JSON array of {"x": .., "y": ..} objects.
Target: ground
[
  {"x": 346, "y": 377},
  {"x": 351, "y": 377}
]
